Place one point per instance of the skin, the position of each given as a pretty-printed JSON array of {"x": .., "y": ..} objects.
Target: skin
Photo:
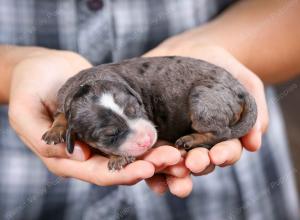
[{"x": 29, "y": 84}]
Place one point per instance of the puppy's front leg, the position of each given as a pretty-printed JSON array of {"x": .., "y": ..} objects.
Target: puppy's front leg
[{"x": 57, "y": 133}]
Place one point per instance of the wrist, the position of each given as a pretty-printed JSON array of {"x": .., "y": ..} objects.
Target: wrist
[
  {"x": 11, "y": 56},
  {"x": 194, "y": 47},
  {"x": 202, "y": 41}
]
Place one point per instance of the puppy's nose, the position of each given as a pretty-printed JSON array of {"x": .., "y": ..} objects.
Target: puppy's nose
[{"x": 145, "y": 141}]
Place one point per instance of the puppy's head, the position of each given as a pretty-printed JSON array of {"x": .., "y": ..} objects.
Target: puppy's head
[{"x": 110, "y": 116}]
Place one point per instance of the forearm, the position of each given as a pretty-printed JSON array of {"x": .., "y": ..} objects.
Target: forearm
[{"x": 263, "y": 35}]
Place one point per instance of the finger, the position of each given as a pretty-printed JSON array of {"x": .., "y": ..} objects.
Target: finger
[
  {"x": 226, "y": 152},
  {"x": 258, "y": 92},
  {"x": 177, "y": 170},
  {"x": 81, "y": 151},
  {"x": 252, "y": 141},
  {"x": 197, "y": 160},
  {"x": 95, "y": 170},
  {"x": 30, "y": 123},
  {"x": 157, "y": 183},
  {"x": 180, "y": 187},
  {"x": 162, "y": 157},
  {"x": 210, "y": 168},
  {"x": 256, "y": 88}
]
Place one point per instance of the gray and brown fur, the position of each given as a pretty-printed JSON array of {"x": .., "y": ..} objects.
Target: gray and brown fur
[{"x": 193, "y": 103}]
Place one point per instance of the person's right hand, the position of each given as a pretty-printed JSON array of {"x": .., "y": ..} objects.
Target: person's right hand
[
  {"x": 201, "y": 161},
  {"x": 34, "y": 87}
]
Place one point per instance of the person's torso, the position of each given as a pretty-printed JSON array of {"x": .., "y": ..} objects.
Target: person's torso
[{"x": 101, "y": 30}]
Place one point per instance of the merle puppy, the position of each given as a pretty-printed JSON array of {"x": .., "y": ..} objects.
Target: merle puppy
[{"x": 122, "y": 108}]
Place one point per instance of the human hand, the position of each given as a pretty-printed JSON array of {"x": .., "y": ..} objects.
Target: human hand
[
  {"x": 34, "y": 87},
  {"x": 201, "y": 161}
]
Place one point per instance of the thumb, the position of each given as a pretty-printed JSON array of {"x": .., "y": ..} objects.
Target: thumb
[
  {"x": 252, "y": 140},
  {"x": 31, "y": 121}
]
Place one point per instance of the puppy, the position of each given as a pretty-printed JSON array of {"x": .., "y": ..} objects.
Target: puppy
[{"x": 121, "y": 109}]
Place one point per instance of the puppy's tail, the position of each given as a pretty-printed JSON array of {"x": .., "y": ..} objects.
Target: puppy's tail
[{"x": 247, "y": 119}]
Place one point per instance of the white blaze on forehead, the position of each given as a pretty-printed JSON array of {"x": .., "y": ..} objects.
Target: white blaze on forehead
[{"x": 107, "y": 100}]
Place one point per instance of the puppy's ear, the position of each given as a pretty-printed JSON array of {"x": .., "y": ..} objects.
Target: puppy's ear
[
  {"x": 70, "y": 140},
  {"x": 134, "y": 93},
  {"x": 83, "y": 90}
]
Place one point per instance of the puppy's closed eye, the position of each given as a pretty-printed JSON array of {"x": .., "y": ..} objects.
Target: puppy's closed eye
[
  {"x": 110, "y": 131},
  {"x": 130, "y": 110}
]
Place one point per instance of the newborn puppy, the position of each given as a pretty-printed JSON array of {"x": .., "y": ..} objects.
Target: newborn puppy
[{"x": 121, "y": 108}]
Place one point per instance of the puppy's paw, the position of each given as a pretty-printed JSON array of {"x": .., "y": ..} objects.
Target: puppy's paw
[
  {"x": 188, "y": 142},
  {"x": 118, "y": 162},
  {"x": 55, "y": 135},
  {"x": 185, "y": 142}
]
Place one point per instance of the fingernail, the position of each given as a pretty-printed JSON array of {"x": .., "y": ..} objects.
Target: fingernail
[{"x": 77, "y": 154}]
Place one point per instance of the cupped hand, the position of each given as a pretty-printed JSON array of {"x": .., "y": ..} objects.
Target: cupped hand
[
  {"x": 35, "y": 83},
  {"x": 201, "y": 161},
  {"x": 174, "y": 177}
]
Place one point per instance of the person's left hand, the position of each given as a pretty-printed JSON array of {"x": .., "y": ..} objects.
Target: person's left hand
[
  {"x": 200, "y": 161},
  {"x": 35, "y": 82}
]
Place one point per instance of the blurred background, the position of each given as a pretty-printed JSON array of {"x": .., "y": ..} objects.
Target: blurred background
[{"x": 289, "y": 98}]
